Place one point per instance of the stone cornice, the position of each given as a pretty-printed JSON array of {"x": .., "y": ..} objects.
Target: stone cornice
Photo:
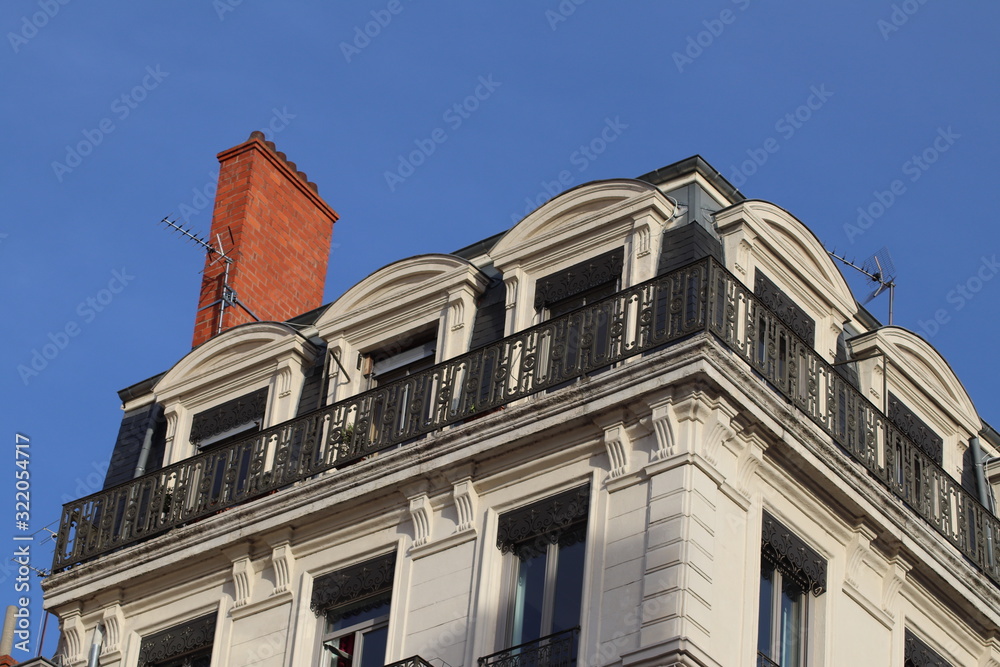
[{"x": 840, "y": 482}]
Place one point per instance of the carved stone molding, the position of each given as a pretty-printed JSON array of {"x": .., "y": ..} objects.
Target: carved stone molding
[
  {"x": 466, "y": 504},
  {"x": 792, "y": 557},
  {"x": 857, "y": 552},
  {"x": 619, "y": 445},
  {"x": 664, "y": 426},
  {"x": 366, "y": 584},
  {"x": 893, "y": 581},
  {"x": 284, "y": 381},
  {"x": 456, "y": 314},
  {"x": 171, "y": 418},
  {"x": 918, "y": 654},
  {"x": 690, "y": 421},
  {"x": 511, "y": 284},
  {"x": 559, "y": 519},
  {"x": 114, "y": 621},
  {"x": 243, "y": 579},
  {"x": 641, "y": 238},
  {"x": 180, "y": 640},
  {"x": 749, "y": 459},
  {"x": 421, "y": 512},
  {"x": 73, "y": 633},
  {"x": 283, "y": 562},
  {"x": 719, "y": 429}
]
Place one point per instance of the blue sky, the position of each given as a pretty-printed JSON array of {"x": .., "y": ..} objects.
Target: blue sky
[{"x": 114, "y": 115}]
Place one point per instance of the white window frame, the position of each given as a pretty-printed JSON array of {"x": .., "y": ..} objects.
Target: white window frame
[
  {"x": 776, "y": 621},
  {"x": 326, "y": 657}
]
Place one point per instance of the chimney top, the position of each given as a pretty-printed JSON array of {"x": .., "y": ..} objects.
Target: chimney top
[{"x": 276, "y": 229}]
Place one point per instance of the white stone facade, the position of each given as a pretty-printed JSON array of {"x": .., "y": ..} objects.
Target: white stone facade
[{"x": 683, "y": 449}]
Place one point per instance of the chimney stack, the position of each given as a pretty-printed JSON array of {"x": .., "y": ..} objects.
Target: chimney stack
[{"x": 275, "y": 228}]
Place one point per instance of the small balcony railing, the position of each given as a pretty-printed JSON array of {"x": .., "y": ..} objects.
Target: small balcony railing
[
  {"x": 555, "y": 650},
  {"x": 764, "y": 661},
  {"x": 412, "y": 661},
  {"x": 701, "y": 297}
]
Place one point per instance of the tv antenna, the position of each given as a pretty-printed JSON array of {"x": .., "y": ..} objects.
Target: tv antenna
[
  {"x": 880, "y": 270},
  {"x": 228, "y": 298}
]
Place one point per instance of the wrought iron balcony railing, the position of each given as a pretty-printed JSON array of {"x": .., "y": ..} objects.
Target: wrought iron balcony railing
[
  {"x": 764, "y": 661},
  {"x": 701, "y": 297},
  {"x": 412, "y": 661},
  {"x": 555, "y": 650}
]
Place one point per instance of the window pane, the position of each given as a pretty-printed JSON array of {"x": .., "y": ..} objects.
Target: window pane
[
  {"x": 373, "y": 647},
  {"x": 528, "y": 599},
  {"x": 792, "y": 604},
  {"x": 346, "y": 646},
  {"x": 765, "y": 609},
  {"x": 569, "y": 587},
  {"x": 360, "y": 615}
]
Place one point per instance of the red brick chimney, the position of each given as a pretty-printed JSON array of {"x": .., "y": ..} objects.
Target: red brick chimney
[{"x": 276, "y": 229}]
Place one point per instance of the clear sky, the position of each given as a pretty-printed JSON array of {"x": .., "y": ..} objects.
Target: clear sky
[{"x": 874, "y": 122}]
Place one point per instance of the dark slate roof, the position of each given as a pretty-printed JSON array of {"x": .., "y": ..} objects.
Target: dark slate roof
[{"x": 693, "y": 163}]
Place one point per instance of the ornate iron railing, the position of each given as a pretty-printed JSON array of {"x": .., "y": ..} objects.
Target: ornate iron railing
[
  {"x": 412, "y": 661},
  {"x": 630, "y": 322},
  {"x": 700, "y": 297},
  {"x": 764, "y": 661},
  {"x": 555, "y": 650},
  {"x": 805, "y": 379}
]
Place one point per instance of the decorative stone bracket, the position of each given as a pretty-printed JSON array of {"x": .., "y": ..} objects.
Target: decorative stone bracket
[
  {"x": 619, "y": 446},
  {"x": 113, "y": 621},
  {"x": 420, "y": 511},
  {"x": 283, "y": 561},
  {"x": 466, "y": 503},
  {"x": 691, "y": 422}
]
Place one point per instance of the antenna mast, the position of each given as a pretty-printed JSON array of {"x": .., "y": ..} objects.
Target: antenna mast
[
  {"x": 879, "y": 269},
  {"x": 228, "y": 296}
]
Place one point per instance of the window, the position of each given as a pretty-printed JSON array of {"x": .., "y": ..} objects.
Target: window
[
  {"x": 579, "y": 342},
  {"x": 405, "y": 404},
  {"x": 401, "y": 358},
  {"x": 546, "y": 544},
  {"x": 918, "y": 654},
  {"x": 782, "y": 619},
  {"x": 790, "y": 570},
  {"x": 185, "y": 645},
  {"x": 353, "y": 604},
  {"x": 230, "y": 421},
  {"x": 358, "y": 637}
]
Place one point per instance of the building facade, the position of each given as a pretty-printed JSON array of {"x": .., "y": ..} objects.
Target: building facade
[{"x": 648, "y": 425}]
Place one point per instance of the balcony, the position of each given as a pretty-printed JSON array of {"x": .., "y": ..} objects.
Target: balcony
[
  {"x": 555, "y": 650},
  {"x": 413, "y": 661},
  {"x": 764, "y": 661},
  {"x": 702, "y": 297}
]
